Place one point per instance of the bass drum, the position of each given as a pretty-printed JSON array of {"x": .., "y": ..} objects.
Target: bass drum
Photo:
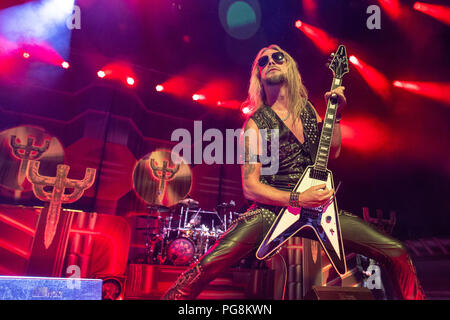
[{"x": 181, "y": 251}]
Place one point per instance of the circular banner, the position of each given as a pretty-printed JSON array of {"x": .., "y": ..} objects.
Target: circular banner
[{"x": 159, "y": 181}]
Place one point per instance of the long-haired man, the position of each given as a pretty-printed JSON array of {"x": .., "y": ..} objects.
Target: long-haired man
[{"x": 280, "y": 102}]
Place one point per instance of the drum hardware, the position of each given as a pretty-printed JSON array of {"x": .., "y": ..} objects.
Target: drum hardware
[
  {"x": 154, "y": 234},
  {"x": 188, "y": 202},
  {"x": 180, "y": 234},
  {"x": 225, "y": 205},
  {"x": 163, "y": 183},
  {"x": 181, "y": 251}
]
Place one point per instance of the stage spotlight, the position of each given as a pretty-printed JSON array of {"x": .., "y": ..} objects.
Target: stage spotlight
[
  {"x": 245, "y": 110},
  {"x": 374, "y": 78},
  {"x": 197, "y": 97},
  {"x": 433, "y": 90},
  {"x": 130, "y": 81},
  {"x": 353, "y": 60},
  {"x": 321, "y": 39},
  {"x": 65, "y": 65},
  {"x": 26, "y": 55},
  {"x": 406, "y": 85},
  {"x": 392, "y": 7},
  {"x": 159, "y": 88},
  {"x": 101, "y": 74},
  {"x": 229, "y": 104},
  {"x": 441, "y": 13},
  {"x": 418, "y": 6}
]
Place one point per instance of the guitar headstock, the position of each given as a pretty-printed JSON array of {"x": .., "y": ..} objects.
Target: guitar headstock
[{"x": 339, "y": 64}]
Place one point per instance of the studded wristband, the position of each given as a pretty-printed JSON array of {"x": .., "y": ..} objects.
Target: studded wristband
[{"x": 294, "y": 199}]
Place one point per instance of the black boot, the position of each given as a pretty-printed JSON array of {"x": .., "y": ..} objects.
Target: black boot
[{"x": 187, "y": 286}]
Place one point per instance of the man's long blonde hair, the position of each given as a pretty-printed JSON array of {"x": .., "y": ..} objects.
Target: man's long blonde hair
[{"x": 297, "y": 93}]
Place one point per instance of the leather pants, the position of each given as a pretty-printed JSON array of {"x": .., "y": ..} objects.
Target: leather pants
[{"x": 247, "y": 233}]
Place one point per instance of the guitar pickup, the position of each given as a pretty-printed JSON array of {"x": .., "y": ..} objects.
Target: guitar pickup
[
  {"x": 312, "y": 213},
  {"x": 318, "y": 174}
]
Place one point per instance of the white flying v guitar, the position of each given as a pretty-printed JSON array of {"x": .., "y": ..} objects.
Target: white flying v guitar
[{"x": 321, "y": 223}]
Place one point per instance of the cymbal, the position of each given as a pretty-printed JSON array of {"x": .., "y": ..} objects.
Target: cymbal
[
  {"x": 159, "y": 208},
  {"x": 190, "y": 203},
  {"x": 155, "y": 215},
  {"x": 149, "y": 228}
]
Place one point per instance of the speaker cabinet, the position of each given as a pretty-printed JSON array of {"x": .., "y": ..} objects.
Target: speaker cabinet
[{"x": 113, "y": 287}]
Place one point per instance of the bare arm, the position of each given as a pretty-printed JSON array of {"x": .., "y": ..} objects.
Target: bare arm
[
  {"x": 253, "y": 189},
  {"x": 256, "y": 191}
]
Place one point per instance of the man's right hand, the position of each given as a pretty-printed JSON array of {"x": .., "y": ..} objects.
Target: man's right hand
[{"x": 315, "y": 196}]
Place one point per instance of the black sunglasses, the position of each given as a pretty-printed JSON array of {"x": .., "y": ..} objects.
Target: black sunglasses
[{"x": 278, "y": 57}]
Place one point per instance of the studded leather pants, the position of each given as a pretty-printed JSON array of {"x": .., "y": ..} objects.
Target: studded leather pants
[{"x": 248, "y": 231}]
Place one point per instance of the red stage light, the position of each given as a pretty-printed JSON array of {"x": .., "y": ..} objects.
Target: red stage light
[
  {"x": 392, "y": 7},
  {"x": 101, "y": 74},
  {"x": 215, "y": 90},
  {"x": 178, "y": 86},
  {"x": 321, "y": 39},
  {"x": 130, "y": 81},
  {"x": 364, "y": 134},
  {"x": 120, "y": 71},
  {"x": 229, "y": 104},
  {"x": 197, "y": 97},
  {"x": 418, "y": 6},
  {"x": 353, "y": 60},
  {"x": 41, "y": 51},
  {"x": 406, "y": 85},
  {"x": 433, "y": 90},
  {"x": 159, "y": 88},
  {"x": 65, "y": 65},
  {"x": 310, "y": 6},
  {"x": 375, "y": 79},
  {"x": 245, "y": 110},
  {"x": 441, "y": 13}
]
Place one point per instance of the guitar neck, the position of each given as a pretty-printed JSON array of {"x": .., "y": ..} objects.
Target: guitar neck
[{"x": 323, "y": 150}]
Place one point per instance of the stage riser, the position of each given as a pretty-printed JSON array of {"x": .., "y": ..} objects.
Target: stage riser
[
  {"x": 41, "y": 288},
  {"x": 152, "y": 281}
]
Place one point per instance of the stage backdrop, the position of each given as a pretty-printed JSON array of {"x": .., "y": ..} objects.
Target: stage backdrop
[{"x": 110, "y": 129}]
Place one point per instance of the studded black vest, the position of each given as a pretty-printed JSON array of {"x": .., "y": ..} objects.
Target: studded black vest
[{"x": 294, "y": 157}]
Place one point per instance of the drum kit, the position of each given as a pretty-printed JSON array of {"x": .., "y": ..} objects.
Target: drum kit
[
  {"x": 183, "y": 233},
  {"x": 176, "y": 230}
]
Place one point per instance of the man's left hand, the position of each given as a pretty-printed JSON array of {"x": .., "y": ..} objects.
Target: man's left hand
[{"x": 339, "y": 91}]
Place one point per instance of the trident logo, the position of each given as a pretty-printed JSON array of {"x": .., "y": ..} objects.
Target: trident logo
[
  {"x": 57, "y": 196},
  {"x": 163, "y": 173},
  {"x": 387, "y": 225},
  {"x": 26, "y": 152}
]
